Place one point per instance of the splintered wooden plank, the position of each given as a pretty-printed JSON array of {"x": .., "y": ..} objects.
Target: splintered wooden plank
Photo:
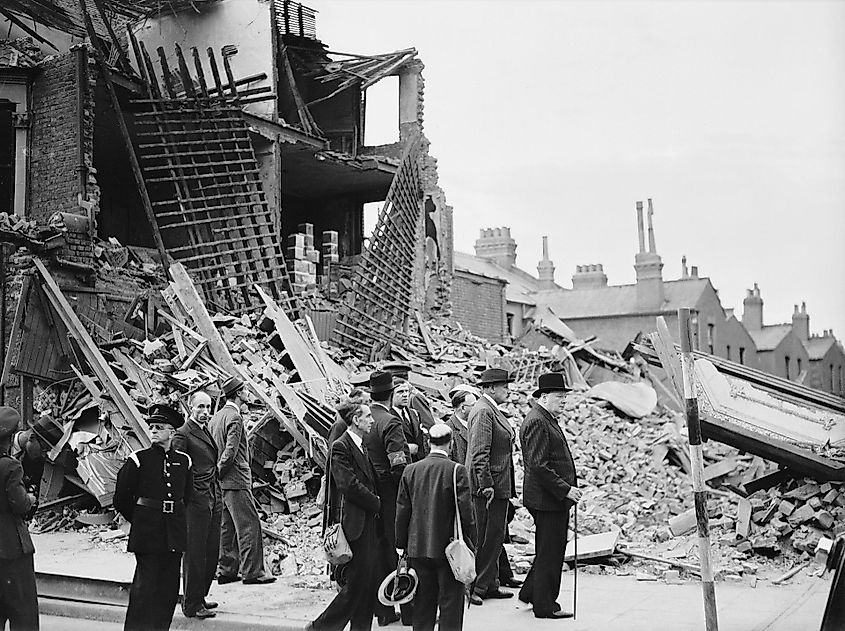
[
  {"x": 95, "y": 359},
  {"x": 743, "y": 518},
  {"x": 593, "y": 546},
  {"x": 718, "y": 469}
]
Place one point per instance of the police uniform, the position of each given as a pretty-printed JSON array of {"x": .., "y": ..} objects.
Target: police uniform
[
  {"x": 152, "y": 489},
  {"x": 18, "y": 598}
]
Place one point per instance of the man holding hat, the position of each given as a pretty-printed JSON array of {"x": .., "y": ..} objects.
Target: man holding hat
[
  {"x": 491, "y": 476},
  {"x": 425, "y": 522},
  {"x": 549, "y": 490},
  {"x": 18, "y": 598},
  {"x": 389, "y": 453},
  {"x": 151, "y": 492},
  {"x": 241, "y": 542}
]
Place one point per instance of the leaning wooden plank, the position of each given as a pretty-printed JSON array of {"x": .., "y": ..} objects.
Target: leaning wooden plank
[
  {"x": 94, "y": 358},
  {"x": 593, "y": 546},
  {"x": 665, "y": 348},
  {"x": 425, "y": 334},
  {"x": 188, "y": 295},
  {"x": 307, "y": 367}
]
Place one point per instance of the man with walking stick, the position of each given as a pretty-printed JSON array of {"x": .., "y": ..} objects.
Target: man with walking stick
[{"x": 549, "y": 491}]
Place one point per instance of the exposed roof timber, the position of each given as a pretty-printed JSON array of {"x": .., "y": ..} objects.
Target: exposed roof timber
[
  {"x": 285, "y": 133},
  {"x": 364, "y": 69}
]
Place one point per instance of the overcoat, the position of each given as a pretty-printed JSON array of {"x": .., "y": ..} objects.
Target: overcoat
[
  {"x": 549, "y": 467},
  {"x": 490, "y": 450}
]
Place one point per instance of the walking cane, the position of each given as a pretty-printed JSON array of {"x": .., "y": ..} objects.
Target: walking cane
[{"x": 575, "y": 587}]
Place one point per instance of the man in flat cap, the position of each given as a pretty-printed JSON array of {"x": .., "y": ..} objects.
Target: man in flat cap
[
  {"x": 18, "y": 597},
  {"x": 389, "y": 453},
  {"x": 491, "y": 476},
  {"x": 425, "y": 520},
  {"x": 549, "y": 491},
  {"x": 241, "y": 543},
  {"x": 151, "y": 492}
]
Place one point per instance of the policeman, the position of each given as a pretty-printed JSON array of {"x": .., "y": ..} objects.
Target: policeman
[
  {"x": 152, "y": 489},
  {"x": 18, "y": 598}
]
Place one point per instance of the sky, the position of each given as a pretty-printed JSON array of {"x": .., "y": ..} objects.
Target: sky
[{"x": 555, "y": 117}]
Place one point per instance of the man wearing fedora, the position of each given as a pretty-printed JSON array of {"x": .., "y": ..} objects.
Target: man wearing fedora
[
  {"x": 389, "y": 453},
  {"x": 241, "y": 543},
  {"x": 18, "y": 597},
  {"x": 204, "y": 510},
  {"x": 491, "y": 475},
  {"x": 549, "y": 491},
  {"x": 151, "y": 491}
]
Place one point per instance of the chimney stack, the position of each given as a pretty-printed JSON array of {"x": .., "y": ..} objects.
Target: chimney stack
[
  {"x": 648, "y": 266},
  {"x": 546, "y": 269},
  {"x": 684, "y": 269},
  {"x": 589, "y": 277},
  {"x": 497, "y": 245},
  {"x": 694, "y": 271},
  {"x": 801, "y": 322},
  {"x": 752, "y": 309}
]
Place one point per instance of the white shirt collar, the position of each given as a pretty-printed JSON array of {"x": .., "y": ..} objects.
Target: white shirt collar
[
  {"x": 438, "y": 450},
  {"x": 357, "y": 440}
]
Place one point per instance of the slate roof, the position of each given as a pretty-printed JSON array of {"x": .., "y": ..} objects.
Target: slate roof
[
  {"x": 521, "y": 285},
  {"x": 620, "y": 300},
  {"x": 768, "y": 338},
  {"x": 817, "y": 347}
]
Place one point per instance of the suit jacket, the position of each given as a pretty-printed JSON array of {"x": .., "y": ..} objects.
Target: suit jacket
[
  {"x": 227, "y": 429},
  {"x": 352, "y": 482},
  {"x": 412, "y": 428},
  {"x": 490, "y": 450},
  {"x": 460, "y": 434},
  {"x": 199, "y": 445},
  {"x": 419, "y": 403},
  {"x": 337, "y": 430},
  {"x": 549, "y": 467},
  {"x": 15, "y": 541},
  {"x": 157, "y": 475},
  {"x": 425, "y": 508},
  {"x": 386, "y": 446}
]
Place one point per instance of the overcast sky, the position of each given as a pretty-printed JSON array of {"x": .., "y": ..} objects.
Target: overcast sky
[{"x": 554, "y": 118}]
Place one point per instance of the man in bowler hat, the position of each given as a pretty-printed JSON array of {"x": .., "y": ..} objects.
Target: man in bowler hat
[
  {"x": 491, "y": 475},
  {"x": 18, "y": 598},
  {"x": 241, "y": 543},
  {"x": 549, "y": 491},
  {"x": 152, "y": 489}
]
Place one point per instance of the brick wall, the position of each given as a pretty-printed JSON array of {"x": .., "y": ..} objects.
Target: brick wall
[
  {"x": 478, "y": 303},
  {"x": 54, "y": 178}
]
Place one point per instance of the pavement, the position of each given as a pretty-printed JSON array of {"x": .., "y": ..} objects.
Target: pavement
[{"x": 605, "y": 602}]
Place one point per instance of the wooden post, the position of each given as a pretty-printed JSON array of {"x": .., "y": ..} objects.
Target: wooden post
[{"x": 696, "y": 456}]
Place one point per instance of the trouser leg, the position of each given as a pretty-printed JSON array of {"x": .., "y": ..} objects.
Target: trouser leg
[
  {"x": 492, "y": 534},
  {"x": 18, "y": 594},
  {"x": 425, "y": 600},
  {"x": 212, "y": 545},
  {"x": 229, "y": 552},
  {"x": 140, "y": 614},
  {"x": 168, "y": 589},
  {"x": 550, "y": 546},
  {"x": 199, "y": 519},
  {"x": 248, "y": 531},
  {"x": 505, "y": 571},
  {"x": 451, "y": 599}
]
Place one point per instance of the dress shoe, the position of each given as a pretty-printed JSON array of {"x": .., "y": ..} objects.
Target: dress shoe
[
  {"x": 259, "y": 580},
  {"x": 475, "y": 599},
  {"x": 209, "y": 604},
  {"x": 383, "y": 621},
  {"x": 512, "y": 582},
  {"x": 202, "y": 613},
  {"x": 497, "y": 593},
  {"x": 222, "y": 580},
  {"x": 556, "y": 615}
]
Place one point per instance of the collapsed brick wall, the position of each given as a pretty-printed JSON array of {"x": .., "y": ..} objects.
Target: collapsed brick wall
[
  {"x": 478, "y": 303},
  {"x": 55, "y": 157}
]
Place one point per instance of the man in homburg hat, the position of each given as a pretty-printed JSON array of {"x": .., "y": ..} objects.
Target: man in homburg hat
[
  {"x": 204, "y": 510},
  {"x": 389, "y": 453},
  {"x": 549, "y": 490},
  {"x": 152, "y": 489},
  {"x": 425, "y": 520},
  {"x": 491, "y": 475},
  {"x": 241, "y": 543},
  {"x": 18, "y": 598}
]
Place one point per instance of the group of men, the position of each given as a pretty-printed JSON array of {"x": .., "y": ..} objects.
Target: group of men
[
  {"x": 427, "y": 474},
  {"x": 189, "y": 500}
]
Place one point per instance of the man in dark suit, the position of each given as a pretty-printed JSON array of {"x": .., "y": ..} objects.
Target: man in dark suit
[
  {"x": 354, "y": 502},
  {"x": 18, "y": 598},
  {"x": 462, "y": 402},
  {"x": 241, "y": 542},
  {"x": 204, "y": 510},
  {"x": 151, "y": 492},
  {"x": 491, "y": 476},
  {"x": 389, "y": 453},
  {"x": 416, "y": 400},
  {"x": 549, "y": 490},
  {"x": 411, "y": 426},
  {"x": 425, "y": 521}
]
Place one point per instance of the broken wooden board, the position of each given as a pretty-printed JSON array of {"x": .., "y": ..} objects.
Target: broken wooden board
[
  {"x": 634, "y": 399},
  {"x": 593, "y": 546},
  {"x": 664, "y": 345},
  {"x": 101, "y": 368},
  {"x": 743, "y": 518},
  {"x": 718, "y": 469}
]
